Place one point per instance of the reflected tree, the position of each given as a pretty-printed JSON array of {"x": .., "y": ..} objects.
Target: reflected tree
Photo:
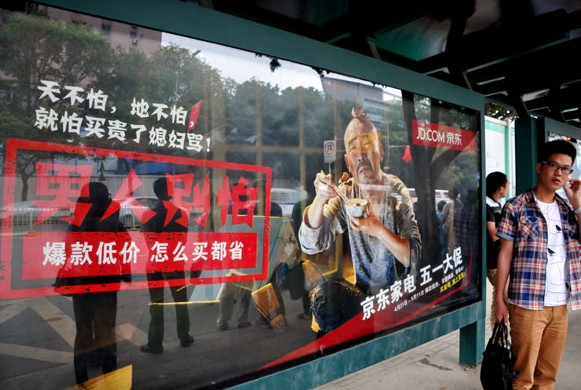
[{"x": 34, "y": 48}]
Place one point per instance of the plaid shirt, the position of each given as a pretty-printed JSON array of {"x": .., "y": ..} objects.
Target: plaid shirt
[{"x": 523, "y": 223}]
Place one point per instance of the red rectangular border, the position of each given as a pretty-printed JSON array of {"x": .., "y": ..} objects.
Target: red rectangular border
[{"x": 14, "y": 146}]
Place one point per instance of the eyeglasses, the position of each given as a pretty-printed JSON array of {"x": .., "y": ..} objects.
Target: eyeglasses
[{"x": 553, "y": 166}]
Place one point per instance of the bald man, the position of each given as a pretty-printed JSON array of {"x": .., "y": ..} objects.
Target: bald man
[{"x": 387, "y": 233}]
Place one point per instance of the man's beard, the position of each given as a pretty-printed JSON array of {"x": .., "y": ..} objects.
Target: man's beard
[{"x": 365, "y": 172}]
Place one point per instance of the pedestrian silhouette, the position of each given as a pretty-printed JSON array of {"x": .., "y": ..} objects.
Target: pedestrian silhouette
[
  {"x": 168, "y": 218},
  {"x": 96, "y": 311}
]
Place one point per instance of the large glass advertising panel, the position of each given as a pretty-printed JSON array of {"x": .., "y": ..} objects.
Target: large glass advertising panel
[{"x": 180, "y": 214}]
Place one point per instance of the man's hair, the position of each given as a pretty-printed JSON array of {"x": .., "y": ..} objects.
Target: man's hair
[
  {"x": 360, "y": 122},
  {"x": 557, "y": 147},
  {"x": 160, "y": 189},
  {"x": 494, "y": 181}
]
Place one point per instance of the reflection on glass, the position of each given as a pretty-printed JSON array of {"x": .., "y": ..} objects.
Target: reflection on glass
[{"x": 224, "y": 129}]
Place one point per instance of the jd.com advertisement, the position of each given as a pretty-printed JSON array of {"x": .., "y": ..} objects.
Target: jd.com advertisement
[{"x": 178, "y": 214}]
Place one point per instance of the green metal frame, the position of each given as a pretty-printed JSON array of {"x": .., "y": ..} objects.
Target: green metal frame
[
  {"x": 188, "y": 19},
  {"x": 529, "y": 137},
  {"x": 550, "y": 125}
]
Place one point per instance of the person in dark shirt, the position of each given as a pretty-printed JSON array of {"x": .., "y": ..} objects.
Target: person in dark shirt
[
  {"x": 496, "y": 190},
  {"x": 96, "y": 312},
  {"x": 160, "y": 223}
]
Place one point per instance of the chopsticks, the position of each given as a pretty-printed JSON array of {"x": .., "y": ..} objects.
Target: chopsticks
[{"x": 342, "y": 195}]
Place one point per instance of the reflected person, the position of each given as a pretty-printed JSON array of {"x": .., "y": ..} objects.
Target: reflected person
[
  {"x": 241, "y": 292},
  {"x": 96, "y": 312},
  {"x": 175, "y": 224}
]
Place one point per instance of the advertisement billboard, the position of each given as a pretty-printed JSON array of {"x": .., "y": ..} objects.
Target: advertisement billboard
[{"x": 283, "y": 215}]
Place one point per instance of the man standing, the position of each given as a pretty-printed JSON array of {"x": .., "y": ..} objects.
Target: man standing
[
  {"x": 496, "y": 190},
  {"x": 540, "y": 249},
  {"x": 386, "y": 234},
  {"x": 95, "y": 310},
  {"x": 169, "y": 219}
]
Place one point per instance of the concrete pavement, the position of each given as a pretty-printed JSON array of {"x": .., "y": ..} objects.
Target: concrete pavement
[
  {"x": 435, "y": 366},
  {"x": 38, "y": 335}
]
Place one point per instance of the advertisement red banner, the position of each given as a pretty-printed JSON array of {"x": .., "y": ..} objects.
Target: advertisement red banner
[
  {"x": 33, "y": 252},
  {"x": 97, "y": 254},
  {"x": 439, "y": 136}
]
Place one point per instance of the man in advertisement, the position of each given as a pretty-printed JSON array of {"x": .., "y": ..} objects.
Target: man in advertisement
[{"x": 384, "y": 237}]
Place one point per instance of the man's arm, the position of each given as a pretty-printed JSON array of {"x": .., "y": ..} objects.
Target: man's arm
[
  {"x": 317, "y": 232},
  {"x": 405, "y": 245},
  {"x": 372, "y": 225},
  {"x": 491, "y": 229},
  {"x": 314, "y": 215},
  {"x": 573, "y": 192},
  {"x": 324, "y": 191},
  {"x": 502, "y": 272},
  {"x": 491, "y": 224}
]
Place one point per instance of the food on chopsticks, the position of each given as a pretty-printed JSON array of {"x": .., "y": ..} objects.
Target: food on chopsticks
[{"x": 345, "y": 179}]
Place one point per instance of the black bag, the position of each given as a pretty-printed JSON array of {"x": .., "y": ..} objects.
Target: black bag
[{"x": 497, "y": 369}]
